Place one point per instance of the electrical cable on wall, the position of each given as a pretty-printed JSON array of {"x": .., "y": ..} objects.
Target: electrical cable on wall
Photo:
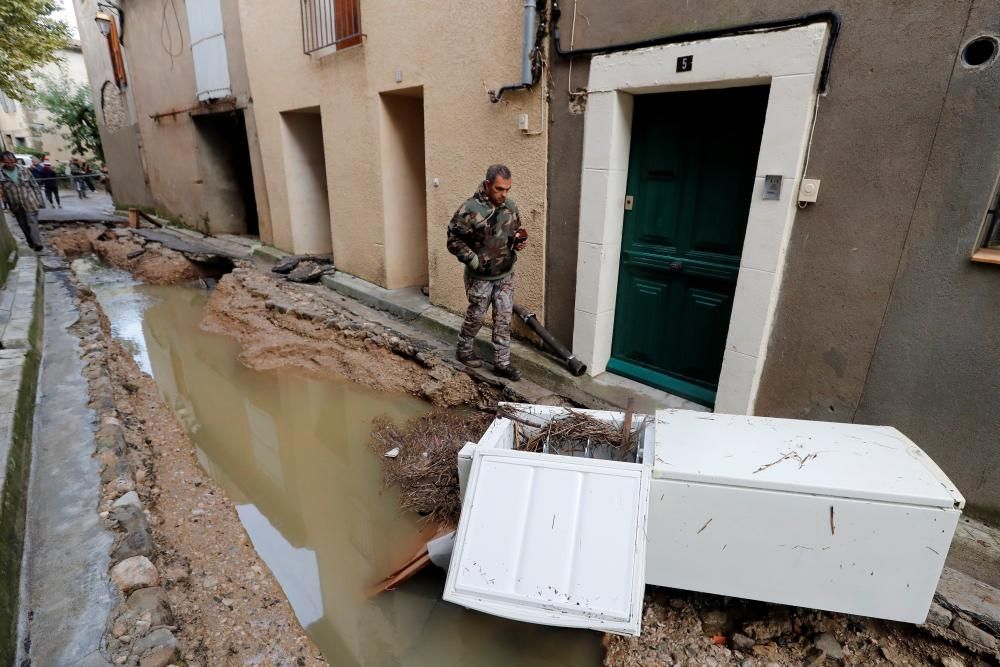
[{"x": 166, "y": 38}]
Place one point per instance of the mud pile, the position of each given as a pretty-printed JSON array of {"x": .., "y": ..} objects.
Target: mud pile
[{"x": 282, "y": 325}]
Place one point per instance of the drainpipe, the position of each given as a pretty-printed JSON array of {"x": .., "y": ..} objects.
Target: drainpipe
[{"x": 527, "y": 48}]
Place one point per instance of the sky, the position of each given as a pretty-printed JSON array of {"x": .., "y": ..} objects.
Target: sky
[{"x": 67, "y": 14}]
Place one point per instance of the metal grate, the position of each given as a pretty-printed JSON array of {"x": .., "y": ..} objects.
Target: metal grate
[{"x": 330, "y": 23}]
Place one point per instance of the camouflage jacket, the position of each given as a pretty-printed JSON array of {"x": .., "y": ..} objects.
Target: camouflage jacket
[{"x": 482, "y": 236}]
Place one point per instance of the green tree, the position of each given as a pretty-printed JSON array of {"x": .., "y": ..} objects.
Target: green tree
[
  {"x": 72, "y": 109},
  {"x": 29, "y": 38}
]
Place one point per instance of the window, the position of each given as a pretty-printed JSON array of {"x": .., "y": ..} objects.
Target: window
[
  {"x": 330, "y": 23},
  {"x": 20, "y": 141},
  {"x": 115, "y": 49},
  {"x": 7, "y": 104},
  {"x": 988, "y": 248}
]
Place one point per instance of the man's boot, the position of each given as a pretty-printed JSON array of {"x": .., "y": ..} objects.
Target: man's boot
[
  {"x": 469, "y": 359},
  {"x": 508, "y": 372}
]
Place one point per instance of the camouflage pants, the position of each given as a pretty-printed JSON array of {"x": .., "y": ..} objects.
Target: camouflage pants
[{"x": 481, "y": 294}]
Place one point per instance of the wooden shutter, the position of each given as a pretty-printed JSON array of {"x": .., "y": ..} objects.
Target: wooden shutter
[
  {"x": 117, "y": 61},
  {"x": 347, "y": 15}
]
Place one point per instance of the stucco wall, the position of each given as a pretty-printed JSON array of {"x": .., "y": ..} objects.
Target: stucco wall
[
  {"x": 455, "y": 51},
  {"x": 935, "y": 369},
  {"x": 875, "y": 130}
]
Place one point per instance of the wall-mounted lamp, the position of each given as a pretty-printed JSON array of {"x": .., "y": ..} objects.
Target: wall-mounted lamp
[{"x": 104, "y": 19}]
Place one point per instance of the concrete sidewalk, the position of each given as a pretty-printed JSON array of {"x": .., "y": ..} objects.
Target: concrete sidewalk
[
  {"x": 66, "y": 598},
  {"x": 20, "y": 339}
]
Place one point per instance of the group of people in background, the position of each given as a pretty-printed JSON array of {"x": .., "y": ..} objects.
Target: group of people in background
[
  {"x": 81, "y": 175},
  {"x": 79, "y": 172},
  {"x": 22, "y": 187}
]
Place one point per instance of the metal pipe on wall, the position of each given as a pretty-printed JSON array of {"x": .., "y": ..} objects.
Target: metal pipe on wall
[{"x": 527, "y": 47}]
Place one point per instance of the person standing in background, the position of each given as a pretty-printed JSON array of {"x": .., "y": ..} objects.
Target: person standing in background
[{"x": 24, "y": 197}]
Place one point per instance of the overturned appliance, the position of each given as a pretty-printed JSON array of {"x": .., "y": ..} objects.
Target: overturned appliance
[{"x": 840, "y": 517}]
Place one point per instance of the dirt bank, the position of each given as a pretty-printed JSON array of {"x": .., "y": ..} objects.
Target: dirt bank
[
  {"x": 149, "y": 262},
  {"x": 206, "y": 598},
  {"x": 283, "y": 325}
]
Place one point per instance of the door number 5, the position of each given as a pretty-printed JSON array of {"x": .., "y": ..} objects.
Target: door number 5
[{"x": 685, "y": 63}]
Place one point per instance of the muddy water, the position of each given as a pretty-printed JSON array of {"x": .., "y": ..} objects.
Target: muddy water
[{"x": 292, "y": 455}]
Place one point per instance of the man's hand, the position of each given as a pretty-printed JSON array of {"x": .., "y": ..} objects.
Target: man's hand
[{"x": 520, "y": 239}]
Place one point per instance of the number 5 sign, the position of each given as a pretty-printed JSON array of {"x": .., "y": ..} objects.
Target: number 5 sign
[{"x": 685, "y": 63}]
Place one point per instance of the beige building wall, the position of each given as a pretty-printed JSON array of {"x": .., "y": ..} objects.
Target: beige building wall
[{"x": 449, "y": 53}]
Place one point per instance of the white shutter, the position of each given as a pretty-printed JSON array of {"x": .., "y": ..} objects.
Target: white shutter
[{"x": 208, "y": 48}]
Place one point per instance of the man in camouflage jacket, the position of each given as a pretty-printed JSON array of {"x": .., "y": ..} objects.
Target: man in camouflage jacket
[{"x": 482, "y": 235}]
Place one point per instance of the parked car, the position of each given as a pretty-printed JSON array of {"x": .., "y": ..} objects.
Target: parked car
[{"x": 23, "y": 158}]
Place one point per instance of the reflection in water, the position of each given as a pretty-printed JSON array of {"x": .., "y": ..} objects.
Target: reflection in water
[{"x": 292, "y": 454}]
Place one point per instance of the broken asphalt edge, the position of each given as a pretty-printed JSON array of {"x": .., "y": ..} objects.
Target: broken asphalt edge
[{"x": 22, "y": 295}]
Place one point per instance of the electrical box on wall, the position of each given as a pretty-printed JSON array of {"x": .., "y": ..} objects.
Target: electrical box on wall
[
  {"x": 809, "y": 190},
  {"x": 522, "y": 121}
]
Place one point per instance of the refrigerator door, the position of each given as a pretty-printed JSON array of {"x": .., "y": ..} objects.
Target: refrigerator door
[{"x": 554, "y": 540}]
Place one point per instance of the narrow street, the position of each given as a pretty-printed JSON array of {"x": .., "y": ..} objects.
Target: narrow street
[{"x": 539, "y": 332}]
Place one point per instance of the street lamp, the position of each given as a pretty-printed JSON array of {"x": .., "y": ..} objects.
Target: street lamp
[{"x": 104, "y": 19}]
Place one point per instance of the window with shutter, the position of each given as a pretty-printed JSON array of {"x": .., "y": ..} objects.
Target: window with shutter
[
  {"x": 327, "y": 23},
  {"x": 117, "y": 61}
]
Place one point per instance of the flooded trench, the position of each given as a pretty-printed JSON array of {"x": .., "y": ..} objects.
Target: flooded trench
[{"x": 292, "y": 455}]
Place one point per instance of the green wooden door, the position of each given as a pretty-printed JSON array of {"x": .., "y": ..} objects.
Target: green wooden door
[{"x": 691, "y": 173}]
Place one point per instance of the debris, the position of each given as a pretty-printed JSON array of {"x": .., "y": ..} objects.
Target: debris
[
  {"x": 392, "y": 453},
  {"x": 440, "y": 549},
  {"x": 425, "y": 469},
  {"x": 938, "y": 615},
  {"x": 304, "y": 268},
  {"x": 829, "y": 645},
  {"x": 575, "y": 433},
  {"x": 309, "y": 272},
  {"x": 420, "y": 559},
  {"x": 785, "y": 456}
]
